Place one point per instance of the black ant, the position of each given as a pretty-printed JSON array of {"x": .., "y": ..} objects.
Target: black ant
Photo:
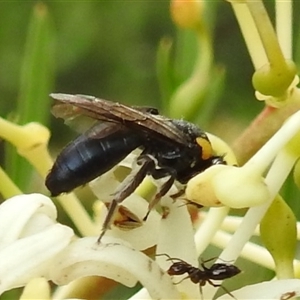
[{"x": 218, "y": 271}]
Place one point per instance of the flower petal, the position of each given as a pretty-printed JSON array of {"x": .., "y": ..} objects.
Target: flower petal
[
  {"x": 276, "y": 289},
  {"x": 17, "y": 211},
  {"x": 178, "y": 244},
  {"x": 32, "y": 256},
  {"x": 84, "y": 257},
  {"x": 181, "y": 231},
  {"x": 144, "y": 236}
]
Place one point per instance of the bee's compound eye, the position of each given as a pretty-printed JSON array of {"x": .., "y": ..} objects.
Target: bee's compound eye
[{"x": 205, "y": 146}]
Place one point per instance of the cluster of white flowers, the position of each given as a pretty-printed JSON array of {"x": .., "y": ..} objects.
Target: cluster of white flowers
[{"x": 33, "y": 244}]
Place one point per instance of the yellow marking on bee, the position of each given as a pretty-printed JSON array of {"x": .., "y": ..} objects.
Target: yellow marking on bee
[{"x": 206, "y": 147}]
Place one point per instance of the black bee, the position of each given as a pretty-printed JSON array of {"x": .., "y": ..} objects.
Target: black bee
[
  {"x": 171, "y": 149},
  {"x": 218, "y": 271}
]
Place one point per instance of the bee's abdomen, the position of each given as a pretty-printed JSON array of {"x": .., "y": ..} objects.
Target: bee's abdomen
[{"x": 87, "y": 158}]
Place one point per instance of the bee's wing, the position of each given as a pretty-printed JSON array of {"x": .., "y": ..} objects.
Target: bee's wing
[
  {"x": 101, "y": 130},
  {"x": 73, "y": 117},
  {"x": 140, "y": 119}
]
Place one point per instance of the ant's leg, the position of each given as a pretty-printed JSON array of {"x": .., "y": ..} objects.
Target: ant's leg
[
  {"x": 156, "y": 174},
  {"x": 172, "y": 259},
  {"x": 203, "y": 262},
  {"x": 181, "y": 280},
  {"x": 201, "y": 291},
  {"x": 128, "y": 186},
  {"x": 207, "y": 260},
  {"x": 164, "y": 254},
  {"x": 226, "y": 261},
  {"x": 222, "y": 287}
]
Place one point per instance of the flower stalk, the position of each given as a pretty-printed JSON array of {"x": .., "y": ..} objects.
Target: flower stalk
[
  {"x": 31, "y": 141},
  {"x": 278, "y": 233},
  {"x": 36, "y": 288},
  {"x": 274, "y": 76},
  {"x": 8, "y": 188},
  {"x": 284, "y": 28},
  {"x": 188, "y": 97}
]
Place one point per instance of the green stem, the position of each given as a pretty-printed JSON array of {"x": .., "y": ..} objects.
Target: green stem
[
  {"x": 267, "y": 34},
  {"x": 250, "y": 34},
  {"x": 8, "y": 188},
  {"x": 188, "y": 97},
  {"x": 31, "y": 141},
  {"x": 263, "y": 127},
  {"x": 284, "y": 29}
]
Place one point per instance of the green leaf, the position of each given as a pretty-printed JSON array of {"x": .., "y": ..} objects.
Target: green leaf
[
  {"x": 37, "y": 76},
  {"x": 38, "y": 69}
]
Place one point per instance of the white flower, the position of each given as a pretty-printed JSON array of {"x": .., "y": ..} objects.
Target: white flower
[
  {"x": 116, "y": 259},
  {"x": 30, "y": 238},
  {"x": 276, "y": 289}
]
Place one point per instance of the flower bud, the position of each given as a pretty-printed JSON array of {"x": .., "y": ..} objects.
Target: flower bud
[
  {"x": 200, "y": 189},
  {"x": 227, "y": 185},
  {"x": 269, "y": 80},
  {"x": 187, "y": 14}
]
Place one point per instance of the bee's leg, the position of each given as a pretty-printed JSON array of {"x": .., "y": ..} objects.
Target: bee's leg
[
  {"x": 156, "y": 174},
  {"x": 106, "y": 224},
  {"x": 127, "y": 187},
  {"x": 178, "y": 194}
]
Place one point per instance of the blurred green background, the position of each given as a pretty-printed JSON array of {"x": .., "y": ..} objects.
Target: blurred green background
[{"x": 109, "y": 49}]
